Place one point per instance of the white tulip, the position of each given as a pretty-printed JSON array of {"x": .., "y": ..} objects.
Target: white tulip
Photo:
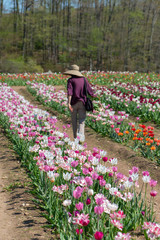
[
  {"x": 66, "y": 203},
  {"x": 90, "y": 192},
  {"x": 67, "y": 176}
]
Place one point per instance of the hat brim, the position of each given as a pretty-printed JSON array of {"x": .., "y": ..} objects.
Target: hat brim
[{"x": 73, "y": 72}]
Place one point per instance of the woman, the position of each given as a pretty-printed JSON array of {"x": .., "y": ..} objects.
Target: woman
[{"x": 76, "y": 100}]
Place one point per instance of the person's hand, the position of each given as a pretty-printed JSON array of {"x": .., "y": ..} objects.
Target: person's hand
[{"x": 70, "y": 107}]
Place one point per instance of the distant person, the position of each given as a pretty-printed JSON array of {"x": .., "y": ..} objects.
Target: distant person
[{"x": 76, "y": 100}]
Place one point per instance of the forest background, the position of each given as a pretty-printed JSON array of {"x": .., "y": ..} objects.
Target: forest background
[{"x": 108, "y": 35}]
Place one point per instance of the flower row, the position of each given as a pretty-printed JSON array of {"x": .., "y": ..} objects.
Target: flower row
[
  {"x": 83, "y": 198},
  {"x": 148, "y": 109},
  {"x": 95, "y": 77},
  {"x": 105, "y": 121}
]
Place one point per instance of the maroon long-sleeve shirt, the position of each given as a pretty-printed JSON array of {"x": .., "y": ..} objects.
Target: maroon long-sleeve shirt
[{"x": 75, "y": 88}]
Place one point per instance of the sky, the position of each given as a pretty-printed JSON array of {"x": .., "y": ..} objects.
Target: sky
[{"x": 7, "y": 5}]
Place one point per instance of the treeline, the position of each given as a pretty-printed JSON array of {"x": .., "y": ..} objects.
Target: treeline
[{"x": 117, "y": 35}]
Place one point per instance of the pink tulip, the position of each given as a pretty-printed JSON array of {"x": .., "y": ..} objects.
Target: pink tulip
[
  {"x": 100, "y": 177},
  {"x": 102, "y": 182},
  {"x": 74, "y": 163},
  {"x": 110, "y": 174},
  {"x": 82, "y": 219},
  {"x": 46, "y": 168},
  {"x": 85, "y": 171},
  {"x": 135, "y": 169},
  {"x": 120, "y": 175},
  {"x": 79, "y": 231},
  {"x": 76, "y": 213},
  {"x": 145, "y": 173},
  {"x": 120, "y": 236},
  {"x": 99, "y": 201},
  {"x": 90, "y": 169},
  {"x": 89, "y": 181},
  {"x": 105, "y": 159},
  {"x": 153, "y": 193},
  {"x": 94, "y": 176},
  {"x": 88, "y": 201},
  {"x": 98, "y": 210},
  {"x": 143, "y": 213},
  {"x": 98, "y": 235},
  {"x": 152, "y": 183},
  {"x": 114, "y": 169},
  {"x": 77, "y": 192},
  {"x": 79, "y": 206}
]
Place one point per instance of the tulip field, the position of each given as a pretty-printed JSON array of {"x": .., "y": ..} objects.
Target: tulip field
[{"x": 82, "y": 193}]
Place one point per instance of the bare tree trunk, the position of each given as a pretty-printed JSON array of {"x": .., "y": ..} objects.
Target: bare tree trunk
[
  {"x": 52, "y": 31},
  {"x": 25, "y": 50},
  {"x": 1, "y": 13},
  {"x": 1, "y": 7},
  {"x": 130, "y": 8},
  {"x": 68, "y": 18},
  {"x": 79, "y": 26},
  {"x": 111, "y": 8},
  {"x": 17, "y": 6},
  {"x": 154, "y": 19},
  {"x": 15, "y": 17},
  {"x": 31, "y": 28},
  {"x": 147, "y": 9}
]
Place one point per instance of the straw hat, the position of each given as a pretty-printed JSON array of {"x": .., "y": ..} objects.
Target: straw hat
[{"x": 73, "y": 70}]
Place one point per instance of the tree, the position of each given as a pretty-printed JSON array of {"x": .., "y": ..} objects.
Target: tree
[{"x": 96, "y": 34}]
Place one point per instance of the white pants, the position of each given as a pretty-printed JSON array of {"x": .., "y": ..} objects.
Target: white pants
[{"x": 78, "y": 114}]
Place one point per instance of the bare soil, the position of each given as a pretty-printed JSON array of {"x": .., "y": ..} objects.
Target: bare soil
[{"x": 20, "y": 218}]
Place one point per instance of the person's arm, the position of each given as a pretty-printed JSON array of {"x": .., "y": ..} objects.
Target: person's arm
[
  {"x": 90, "y": 90},
  {"x": 69, "y": 103},
  {"x": 69, "y": 94}
]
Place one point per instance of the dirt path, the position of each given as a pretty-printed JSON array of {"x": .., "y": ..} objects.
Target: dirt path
[{"x": 19, "y": 219}]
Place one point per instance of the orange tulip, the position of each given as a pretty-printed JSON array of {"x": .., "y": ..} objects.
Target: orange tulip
[
  {"x": 147, "y": 139},
  {"x": 148, "y": 144},
  {"x": 138, "y": 131},
  {"x": 145, "y": 133},
  {"x": 120, "y": 134},
  {"x": 135, "y": 138},
  {"x": 145, "y": 130},
  {"x": 153, "y": 148}
]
